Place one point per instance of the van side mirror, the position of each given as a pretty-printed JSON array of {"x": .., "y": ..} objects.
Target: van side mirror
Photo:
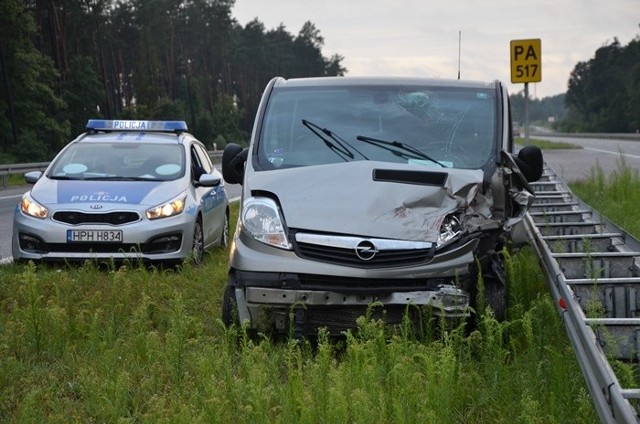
[
  {"x": 234, "y": 158},
  {"x": 530, "y": 162}
]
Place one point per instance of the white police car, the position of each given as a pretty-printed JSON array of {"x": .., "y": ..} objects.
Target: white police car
[{"x": 124, "y": 190}]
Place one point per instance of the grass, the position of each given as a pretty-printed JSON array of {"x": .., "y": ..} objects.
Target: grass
[
  {"x": 134, "y": 344},
  {"x": 546, "y": 144},
  {"x": 13, "y": 180},
  {"x": 617, "y": 197}
]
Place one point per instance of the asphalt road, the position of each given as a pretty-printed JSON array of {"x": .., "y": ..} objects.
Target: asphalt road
[
  {"x": 570, "y": 164},
  {"x": 576, "y": 164},
  {"x": 9, "y": 198}
]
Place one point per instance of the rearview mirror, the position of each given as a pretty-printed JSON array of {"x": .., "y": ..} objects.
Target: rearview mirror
[
  {"x": 234, "y": 158},
  {"x": 530, "y": 162}
]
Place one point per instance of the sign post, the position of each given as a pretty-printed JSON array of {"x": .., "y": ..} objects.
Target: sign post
[{"x": 526, "y": 67}]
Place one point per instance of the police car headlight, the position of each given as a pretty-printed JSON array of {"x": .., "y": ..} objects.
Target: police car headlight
[
  {"x": 171, "y": 208},
  {"x": 30, "y": 207},
  {"x": 262, "y": 220}
]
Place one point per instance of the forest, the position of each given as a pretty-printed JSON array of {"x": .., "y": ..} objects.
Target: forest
[
  {"x": 65, "y": 61},
  {"x": 604, "y": 92}
]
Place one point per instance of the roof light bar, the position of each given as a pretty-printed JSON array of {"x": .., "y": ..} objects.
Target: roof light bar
[{"x": 127, "y": 125}]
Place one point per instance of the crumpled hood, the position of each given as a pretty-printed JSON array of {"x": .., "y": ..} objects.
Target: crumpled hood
[
  {"x": 111, "y": 192},
  {"x": 369, "y": 199}
]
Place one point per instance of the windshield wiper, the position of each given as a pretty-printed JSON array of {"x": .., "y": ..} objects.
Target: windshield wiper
[
  {"x": 403, "y": 150},
  {"x": 339, "y": 147},
  {"x": 120, "y": 178},
  {"x": 64, "y": 177}
]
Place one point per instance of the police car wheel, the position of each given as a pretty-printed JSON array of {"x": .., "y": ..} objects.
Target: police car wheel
[
  {"x": 224, "y": 237},
  {"x": 197, "y": 249}
]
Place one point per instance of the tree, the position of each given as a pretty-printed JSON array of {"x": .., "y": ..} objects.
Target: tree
[
  {"x": 603, "y": 92},
  {"x": 308, "y": 51},
  {"x": 64, "y": 61},
  {"x": 29, "y": 101}
]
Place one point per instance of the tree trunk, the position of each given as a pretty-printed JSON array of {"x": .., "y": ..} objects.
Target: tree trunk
[{"x": 10, "y": 106}]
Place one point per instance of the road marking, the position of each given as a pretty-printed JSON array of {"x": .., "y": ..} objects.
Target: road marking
[
  {"x": 10, "y": 197},
  {"x": 613, "y": 153}
]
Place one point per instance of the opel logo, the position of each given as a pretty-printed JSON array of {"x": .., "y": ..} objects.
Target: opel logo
[
  {"x": 366, "y": 250},
  {"x": 96, "y": 206}
]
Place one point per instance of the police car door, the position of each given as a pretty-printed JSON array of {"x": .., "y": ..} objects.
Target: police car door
[{"x": 208, "y": 197}]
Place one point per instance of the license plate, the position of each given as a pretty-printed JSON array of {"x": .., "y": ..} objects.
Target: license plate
[{"x": 94, "y": 236}]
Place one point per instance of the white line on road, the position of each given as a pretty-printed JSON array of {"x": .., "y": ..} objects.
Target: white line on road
[
  {"x": 613, "y": 153},
  {"x": 10, "y": 197}
]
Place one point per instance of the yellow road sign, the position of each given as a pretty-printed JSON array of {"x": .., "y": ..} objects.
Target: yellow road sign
[{"x": 526, "y": 61}]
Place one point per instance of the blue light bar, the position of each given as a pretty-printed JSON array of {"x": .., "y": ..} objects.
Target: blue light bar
[{"x": 126, "y": 125}]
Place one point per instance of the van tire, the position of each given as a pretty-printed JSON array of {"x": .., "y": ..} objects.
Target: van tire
[{"x": 229, "y": 307}]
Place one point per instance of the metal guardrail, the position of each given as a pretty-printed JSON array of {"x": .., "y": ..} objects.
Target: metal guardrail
[
  {"x": 19, "y": 168},
  {"x": 592, "y": 267}
]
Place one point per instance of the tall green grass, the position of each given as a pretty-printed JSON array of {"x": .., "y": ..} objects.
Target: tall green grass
[
  {"x": 143, "y": 345},
  {"x": 135, "y": 344},
  {"x": 616, "y": 195}
]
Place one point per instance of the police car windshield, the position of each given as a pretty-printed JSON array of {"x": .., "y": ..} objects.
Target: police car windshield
[
  {"x": 450, "y": 126},
  {"x": 116, "y": 161}
]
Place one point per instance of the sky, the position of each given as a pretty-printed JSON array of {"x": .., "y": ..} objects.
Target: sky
[{"x": 424, "y": 37}]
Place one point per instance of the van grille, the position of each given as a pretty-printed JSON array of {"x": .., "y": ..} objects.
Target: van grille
[{"x": 383, "y": 258}]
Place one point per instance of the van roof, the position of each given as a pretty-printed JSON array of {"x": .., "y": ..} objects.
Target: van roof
[{"x": 355, "y": 81}]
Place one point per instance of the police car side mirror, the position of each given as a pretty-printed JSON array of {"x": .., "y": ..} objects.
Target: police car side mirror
[
  {"x": 208, "y": 180},
  {"x": 530, "y": 162},
  {"x": 32, "y": 177},
  {"x": 234, "y": 158}
]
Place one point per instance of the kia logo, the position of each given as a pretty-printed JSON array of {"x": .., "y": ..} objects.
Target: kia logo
[
  {"x": 96, "y": 206},
  {"x": 366, "y": 250}
]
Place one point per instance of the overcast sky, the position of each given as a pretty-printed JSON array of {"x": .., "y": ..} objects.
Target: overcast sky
[{"x": 420, "y": 37}]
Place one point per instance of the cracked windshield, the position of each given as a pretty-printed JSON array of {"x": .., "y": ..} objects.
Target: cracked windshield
[{"x": 428, "y": 126}]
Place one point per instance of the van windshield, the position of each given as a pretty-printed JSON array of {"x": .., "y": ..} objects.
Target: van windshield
[{"x": 423, "y": 125}]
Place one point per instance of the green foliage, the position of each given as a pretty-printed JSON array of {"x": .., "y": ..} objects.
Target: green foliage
[
  {"x": 32, "y": 125},
  {"x": 137, "y": 59},
  {"x": 540, "y": 110},
  {"x": 617, "y": 196},
  {"x": 136, "y": 344},
  {"x": 83, "y": 93},
  {"x": 603, "y": 91},
  {"x": 546, "y": 144}
]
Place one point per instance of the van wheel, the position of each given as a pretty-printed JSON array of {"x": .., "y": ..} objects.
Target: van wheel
[
  {"x": 495, "y": 288},
  {"x": 229, "y": 307}
]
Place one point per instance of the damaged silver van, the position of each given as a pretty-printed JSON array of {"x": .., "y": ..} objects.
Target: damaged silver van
[{"x": 397, "y": 192}]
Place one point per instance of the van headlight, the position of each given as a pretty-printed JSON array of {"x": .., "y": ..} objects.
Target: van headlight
[
  {"x": 449, "y": 230},
  {"x": 170, "y": 208},
  {"x": 261, "y": 218},
  {"x": 30, "y": 207}
]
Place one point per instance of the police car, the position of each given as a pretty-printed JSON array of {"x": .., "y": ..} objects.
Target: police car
[{"x": 143, "y": 190}]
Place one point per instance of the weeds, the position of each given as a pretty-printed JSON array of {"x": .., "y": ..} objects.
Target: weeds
[
  {"x": 616, "y": 197},
  {"x": 136, "y": 344}
]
